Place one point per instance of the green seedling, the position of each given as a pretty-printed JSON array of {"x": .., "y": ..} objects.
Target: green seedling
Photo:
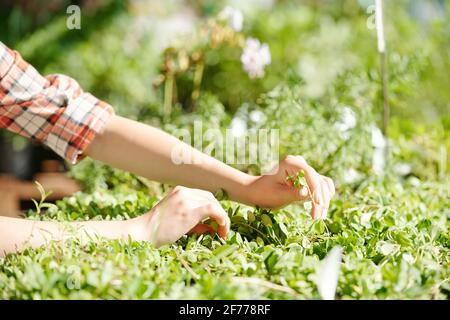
[
  {"x": 298, "y": 180},
  {"x": 44, "y": 195}
]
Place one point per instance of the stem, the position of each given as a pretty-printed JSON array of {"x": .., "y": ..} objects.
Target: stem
[
  {"x": 253, "y": 228},
  {"x": 168, "y": 95},
  {"x": 267, "y": 284},
  {"x": 188, "y": 268},
  {"x": 198, "y": 76}
]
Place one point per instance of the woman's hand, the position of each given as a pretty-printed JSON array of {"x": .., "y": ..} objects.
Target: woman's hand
[
  {"x": 181, "y": 212},
  {"x": 275, "y": 191}
]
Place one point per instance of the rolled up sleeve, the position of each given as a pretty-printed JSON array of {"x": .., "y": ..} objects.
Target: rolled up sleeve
[{"x": 53, "y": 110}]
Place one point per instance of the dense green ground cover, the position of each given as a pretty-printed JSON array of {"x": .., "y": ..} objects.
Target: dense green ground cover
[
  {"x": 393, "y": 228},
  {"x": 394, "y": 236}
]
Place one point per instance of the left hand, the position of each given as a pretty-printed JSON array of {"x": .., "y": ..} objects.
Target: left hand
[{"x": 274, "y": 191}]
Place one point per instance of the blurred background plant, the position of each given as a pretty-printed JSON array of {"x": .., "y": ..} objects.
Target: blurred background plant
[{"x": 155, "y": 60}]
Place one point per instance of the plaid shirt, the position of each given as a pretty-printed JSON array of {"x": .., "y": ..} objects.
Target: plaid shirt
[{"x": 53, "y": 110}]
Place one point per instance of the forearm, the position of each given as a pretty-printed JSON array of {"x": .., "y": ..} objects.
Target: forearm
[
  {"x": 15, "y": 233},
  {"x": 147, "y": 151}
]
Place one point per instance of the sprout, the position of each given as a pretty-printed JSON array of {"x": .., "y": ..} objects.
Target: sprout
[{"x": 255, "y": 57}]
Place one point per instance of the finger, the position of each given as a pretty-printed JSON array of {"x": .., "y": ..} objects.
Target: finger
[
  {"x": 303, "y": 192},
  {"x": 330, "y": 184},
  {"x": 331, "y": 190},
  {"x": 313, "y": 179},
  {"x": 319, "y": 208},
  {"x": 315, "y": 185},
  {"x": 215, "y": 212},
  {"x": 316, "y": 211},
  {"x": 326, "y": 196},
  {"x": 300, "y": 194},
  {"x": 223, "y": 230},
  {"x": 202, "y": 228},
  {"x": 227, "y": 227}
]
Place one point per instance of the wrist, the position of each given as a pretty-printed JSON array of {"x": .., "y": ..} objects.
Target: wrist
[
  {"x": 243, "y": 192},
  {"x": 139, "y": 228}
]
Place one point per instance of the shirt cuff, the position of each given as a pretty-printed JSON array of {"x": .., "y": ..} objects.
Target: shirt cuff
[{"x": 77, "y": 127}]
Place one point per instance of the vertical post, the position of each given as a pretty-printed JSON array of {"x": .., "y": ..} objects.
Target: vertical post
[
  {"x": 383, "y": 67},
  {"x": 386, "y": 108}
]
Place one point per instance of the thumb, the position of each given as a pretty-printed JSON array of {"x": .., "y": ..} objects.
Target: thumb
[
  {"x": 303, "y": 193},
  {"x": 216, "y": 212},
  {"x": 201, "y": 228},
  {"x": 300, "y": 194}
]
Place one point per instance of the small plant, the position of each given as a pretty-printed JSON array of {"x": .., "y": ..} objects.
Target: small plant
[
  {"x": 44, "y": 195},
  {"x": 298, "y": 180},
  {"x": 221, "y": 36}
]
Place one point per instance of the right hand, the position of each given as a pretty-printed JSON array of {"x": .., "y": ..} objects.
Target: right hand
[
  {"x": 274, "y": 191},
  {"x": 182, "y": 212}
]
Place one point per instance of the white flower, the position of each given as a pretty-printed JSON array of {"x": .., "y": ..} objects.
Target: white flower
[
  {"x": 378, "y": 140},
  {"x": 348, "y": 120},
  {"x": 238, "y": 127},
  {"x": 255, "y": 57},
  {"x": 257, "y": 116},
  {"x": 402, "y": 169},
  {"x": 234, "y": 17},
  {"x": 414, "y": 181},
  {"x": 379, "y": 154},
  {"x": 351, "y": 175},
  {"x": 408, "y": 258},
  {"x": 328, "y": 273},
  {"x": 378, "y": 160},
  {"x": 116, "y": 282},
  {"x": 365, "y": 219},
  {"x": 387, "y": 248}
]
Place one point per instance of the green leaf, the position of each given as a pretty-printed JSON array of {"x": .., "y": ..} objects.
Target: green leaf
[
  {"x": 221, "y": 195},
  {"x": 266, "y": 220},
  {"x": 251, "y": 217},
  {"x": 283, "y": 228},
  {"x": 271, "y": 260},
  {"x": 224, "y": 251},
  {"x": 307, "y": 205}
]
